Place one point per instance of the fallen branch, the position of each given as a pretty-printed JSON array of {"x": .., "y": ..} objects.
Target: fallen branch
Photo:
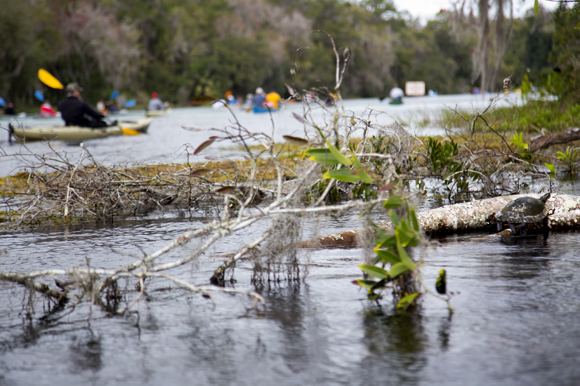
[
  {"x": 546, "y": 141},
  {"x": 34, "y": 285}
]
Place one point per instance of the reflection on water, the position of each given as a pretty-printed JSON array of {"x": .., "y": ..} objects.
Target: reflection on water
[
  {"x": 287, "y": 311},
  {"x": 396, "y": 346},
  {"x": 86, "y": 353},
  {"x": 526, "y": 257}
]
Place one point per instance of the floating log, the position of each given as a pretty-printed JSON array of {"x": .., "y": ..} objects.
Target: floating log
[{"x": 563, "y": 213}]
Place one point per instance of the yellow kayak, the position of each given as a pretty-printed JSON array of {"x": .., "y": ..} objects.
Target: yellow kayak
[{"x": 77, "y": 133}]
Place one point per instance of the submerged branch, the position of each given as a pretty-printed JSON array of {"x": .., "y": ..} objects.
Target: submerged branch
[{"x": 27, "y": 281}]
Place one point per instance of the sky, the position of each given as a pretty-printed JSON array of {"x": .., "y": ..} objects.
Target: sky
[{"x": 427, "y": 9}]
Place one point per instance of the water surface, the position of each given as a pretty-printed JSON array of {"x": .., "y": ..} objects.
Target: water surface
[
  {"x": 516, "y": 320},
  {"x": 516, "y": 301},
  {"x": 168, "y": 142}
]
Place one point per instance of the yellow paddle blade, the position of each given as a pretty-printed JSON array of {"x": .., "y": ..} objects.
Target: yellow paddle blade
[
  {"x": 49, "y": 80},
  {"x": 130, "y": 131}
]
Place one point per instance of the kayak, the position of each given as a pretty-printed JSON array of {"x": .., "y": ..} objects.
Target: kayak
[
  {"x": 77, "y": 133},
  {"x": 157, "y": 113},
  {"x": 259, "y": 110},
  {"x": 396, "y": 102}
]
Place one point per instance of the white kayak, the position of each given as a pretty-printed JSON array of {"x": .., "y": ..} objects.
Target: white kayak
[
  {"x": 157, "y": 113},
  {"x": 77, "y": 133}
]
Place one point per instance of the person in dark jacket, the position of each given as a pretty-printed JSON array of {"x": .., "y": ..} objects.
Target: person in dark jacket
[
  {"x": 9, "y": 109},
  {"x": 75, "y": 112}
]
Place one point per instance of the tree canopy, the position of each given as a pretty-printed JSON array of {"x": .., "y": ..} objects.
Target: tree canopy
[{"x": 187, "y": 48}]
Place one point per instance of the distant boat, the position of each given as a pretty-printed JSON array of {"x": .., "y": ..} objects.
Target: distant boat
[
  {"x": 260, "y": 110},
  {"x": 157, "y": 113}
]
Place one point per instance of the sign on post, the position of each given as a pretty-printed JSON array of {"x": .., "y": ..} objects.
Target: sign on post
[{"x": 415, "y": 88}]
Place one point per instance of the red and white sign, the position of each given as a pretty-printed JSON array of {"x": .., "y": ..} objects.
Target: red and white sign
[{"x": 415, "y": 88}]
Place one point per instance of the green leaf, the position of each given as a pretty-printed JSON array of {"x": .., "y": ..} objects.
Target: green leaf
[
  {"x": 342, "y": 175},
  {"x": 364, "y": 283},
  {"x": 536, "y": 7},
  {"x": 414, "y": 221},
  {"x": 361, "y": 172},
  {"x": 395, "y": 218},
  {"x": 366, "y": 178},
  {"x": 374, "y": 271},
  {"x": 389, "y": 242},
  {"x": 387, "y": 256},
  {"x": 518, "y": 140},
  {"x": 393, "y": 202},
  {"x": 358, "y": 170},
  {"x": 378, "y": 285},
  {"x": 321, "y": 155},
  {"x": 356, "y": 161},
  {"x": 550, "y": 167},
  {"x": 338, "y": 155},
  {"x": 405, "y": 259},
  {"x": 397, "y": 269},
  {"x": 381, "y": 234},
  {"x": 441, "y": 283},
  {"x": 407, "y": 301},
  {"x": 404, "y": 236}
]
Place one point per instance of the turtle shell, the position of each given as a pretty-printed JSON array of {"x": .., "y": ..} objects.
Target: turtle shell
[{"x": 524, "y": 210}]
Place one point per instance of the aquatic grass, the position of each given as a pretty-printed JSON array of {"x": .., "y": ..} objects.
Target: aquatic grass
[{"x": 531, "y": 117}]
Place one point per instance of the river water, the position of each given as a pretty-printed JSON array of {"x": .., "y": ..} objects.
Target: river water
[
  {"x": 167, "y": 141},
  {"x": 516, "y": 301}
]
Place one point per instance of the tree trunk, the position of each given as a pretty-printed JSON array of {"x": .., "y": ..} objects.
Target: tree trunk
[
  {"x": 501, "y": 38},
  {"x": 481, "y": 64}
]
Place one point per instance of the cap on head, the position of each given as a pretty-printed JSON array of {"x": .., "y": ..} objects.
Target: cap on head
[
  {"x": 259, "y": 90},
  {"x": 72, "y": 87},
  {"x": 154, "y": 95}
]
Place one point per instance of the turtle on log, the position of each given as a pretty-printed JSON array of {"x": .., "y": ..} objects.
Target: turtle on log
[{"x": 522, "y": 211}]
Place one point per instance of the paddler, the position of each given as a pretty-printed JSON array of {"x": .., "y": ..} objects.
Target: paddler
[
  {"x": 273, "y": 100},
  {"x": 76, "y": 112}
]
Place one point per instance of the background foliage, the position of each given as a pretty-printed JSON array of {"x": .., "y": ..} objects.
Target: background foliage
[{"x": 186, "y": 48}]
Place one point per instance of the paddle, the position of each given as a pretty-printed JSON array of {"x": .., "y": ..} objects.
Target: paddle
[
  {"x": 49, "y": 80},
  {"x": 2, "y": 102},
  {"x": 114, "y": 95},
  {"x": 124, "y": 130},
  {"x": 130, "y": 103},
  {"x": 129, "y": 131},
  {"x": 39, "y": 95}
]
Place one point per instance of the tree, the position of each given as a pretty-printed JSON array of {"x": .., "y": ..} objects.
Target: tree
[
  {"x": 565, "y": 53},
  {"x": 492, "y": 33}
]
